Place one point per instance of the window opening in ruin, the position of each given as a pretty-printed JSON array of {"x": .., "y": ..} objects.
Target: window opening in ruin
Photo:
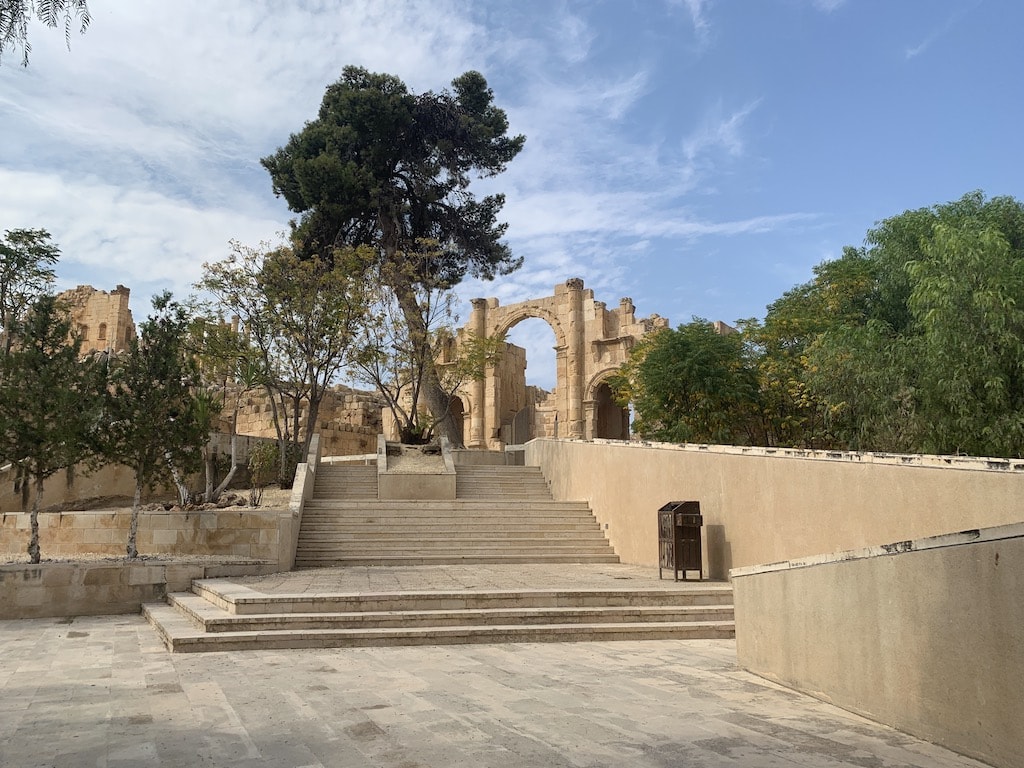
[{"x": 102, "y": 334}]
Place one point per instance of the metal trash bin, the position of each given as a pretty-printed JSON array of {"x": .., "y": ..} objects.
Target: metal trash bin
[{"x": 679, "y": 524}]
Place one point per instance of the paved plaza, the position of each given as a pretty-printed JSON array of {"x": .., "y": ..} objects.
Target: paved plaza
[{"x": 102, "y": 691}]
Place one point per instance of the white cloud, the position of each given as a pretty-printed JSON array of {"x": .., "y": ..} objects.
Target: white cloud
[
  {"x": 136, "y": 237},
  {"x": 140, "y": 149}
]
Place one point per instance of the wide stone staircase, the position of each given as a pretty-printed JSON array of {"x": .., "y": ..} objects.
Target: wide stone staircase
[{"x": 502, "y": 517}]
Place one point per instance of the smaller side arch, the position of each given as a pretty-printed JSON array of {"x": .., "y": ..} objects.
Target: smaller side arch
[{"x": 604, "y": 418}]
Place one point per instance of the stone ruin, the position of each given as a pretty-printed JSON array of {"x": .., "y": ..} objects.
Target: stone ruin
[{"x": 591, "y": 342}]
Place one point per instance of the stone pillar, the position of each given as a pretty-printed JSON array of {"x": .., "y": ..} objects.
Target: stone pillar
[
  {"x": 576, "y": 357},
  {"x": 477, "y": 437}
]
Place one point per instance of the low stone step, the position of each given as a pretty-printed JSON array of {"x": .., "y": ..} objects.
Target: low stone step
[
  {"x": 212, "y": 619},
  {"x": 240, "y": 599},
  {"x": 180, "y": 635}
]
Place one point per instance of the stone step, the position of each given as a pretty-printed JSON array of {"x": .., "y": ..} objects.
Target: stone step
[
  {"x": 444, "y": 522},
  {"x": 239, "y": 599},
  {"x": 328, "y": 536},
  {"x": 461, "y": 558},
  {"x": 356, "y": 527},
  {"x": 210, "y": 618},
  {"x": 497, "y": 470},
  {"x": 181, "y": 636},
  {"x": 454, "y": 508},
  {"x": 312, "y": 542}
]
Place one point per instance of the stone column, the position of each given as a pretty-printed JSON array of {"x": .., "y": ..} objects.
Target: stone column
[
  {"x": 477, "y": 434},
  {"x": 576, "y": 353}
]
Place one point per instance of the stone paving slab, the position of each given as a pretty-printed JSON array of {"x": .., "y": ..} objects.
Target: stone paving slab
[
  {"x": 102, "y": 691},
  {"x": 415, "y": 578}
]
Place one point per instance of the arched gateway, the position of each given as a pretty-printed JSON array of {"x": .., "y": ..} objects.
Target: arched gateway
[{"x": 591, "y": 342}]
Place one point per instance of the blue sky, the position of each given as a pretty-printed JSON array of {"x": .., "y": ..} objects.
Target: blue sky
[{"x": 699, "y": 156}]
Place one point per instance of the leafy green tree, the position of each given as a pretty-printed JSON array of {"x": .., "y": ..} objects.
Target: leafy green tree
[
  {"x": 15, "y": 16},
  {"x": 967, "y": 298},
  {"x": 934, "y": 361},
  {"x": 48, "y": 401},
  {"x": 27, "y": 259},
  {"x": 691, "y": 384},
  {"x": 838, "y": 295},
  {"x": 389, "y": 169},
  {"x": 301, "y": 317},
  {"x": 229, "y": 368},
  {"x": 151, "y": 419}
]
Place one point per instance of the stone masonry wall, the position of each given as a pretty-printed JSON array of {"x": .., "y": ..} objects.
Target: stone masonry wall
[{"x": 104, "y": 319}]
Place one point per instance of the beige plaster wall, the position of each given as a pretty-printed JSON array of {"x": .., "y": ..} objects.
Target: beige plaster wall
[
  {"x": 761, "y": 506},
  {"x": 930, "y": 642}
]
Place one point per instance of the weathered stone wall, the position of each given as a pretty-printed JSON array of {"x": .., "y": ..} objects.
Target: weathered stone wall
[
  {"x": 348, "y": 422},
  {"x": 247, "y": 533},
  {"x": 103, "y": 319},
  {"x": 93, "y": 589},
  {"x": 115, "y": 480}
]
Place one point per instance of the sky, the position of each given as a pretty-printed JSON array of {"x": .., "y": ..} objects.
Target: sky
[{"x": 697, "y": 156}]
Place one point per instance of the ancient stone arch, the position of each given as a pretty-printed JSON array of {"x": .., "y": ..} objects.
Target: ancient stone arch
[{"x": 591, "y": 342}]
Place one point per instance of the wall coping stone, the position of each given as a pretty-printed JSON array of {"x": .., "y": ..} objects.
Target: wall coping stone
[
  {"x": 931, "y": 461},
  {"x": 974, "y": 536}
]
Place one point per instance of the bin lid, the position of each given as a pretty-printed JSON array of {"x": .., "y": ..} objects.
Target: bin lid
[
  {"x": 683, "y": 518},
  {"x": 691, "y": 507}
]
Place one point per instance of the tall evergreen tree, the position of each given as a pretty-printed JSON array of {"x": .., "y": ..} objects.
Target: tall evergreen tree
[
  {"x": 383, "y": 167},
  {"x": 151, "y": 422},
  {"x": 48, "y": 401}
]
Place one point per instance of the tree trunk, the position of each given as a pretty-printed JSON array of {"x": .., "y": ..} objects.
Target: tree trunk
[
  {"x": 215, "y": 494},
  {"x": 133, "y": 526},
  {"x": 437, "y": 400},
  {"x": 33, "y": 542},
  {"x": 211, "y": 471},
  {"x": 184, "y": 494}
]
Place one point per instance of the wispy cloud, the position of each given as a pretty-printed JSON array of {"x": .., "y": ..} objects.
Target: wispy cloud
[
  {"x": 718, "y": 131},
  {"x": 697, "y": 10},
  {"x": 932, "y": 37}
]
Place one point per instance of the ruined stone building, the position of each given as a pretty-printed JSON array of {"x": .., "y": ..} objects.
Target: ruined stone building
[
  {"x": 591, "y": 342},
  {"x": 103, "y": 319}
]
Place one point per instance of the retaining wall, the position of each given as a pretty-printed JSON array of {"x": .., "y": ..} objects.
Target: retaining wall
[
  {"x": 764, "y": 505},
  {"x": 92, "y": 589},
  {"x": 926, "y": 636}
]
